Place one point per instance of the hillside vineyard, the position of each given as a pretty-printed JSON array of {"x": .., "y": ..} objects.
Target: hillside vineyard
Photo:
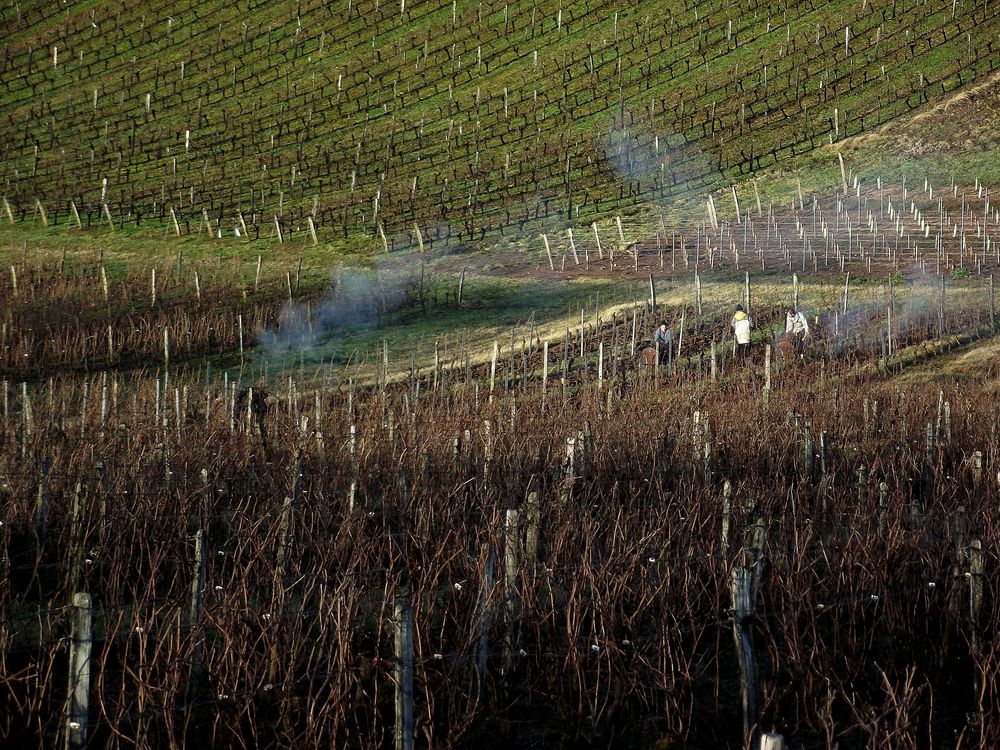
[{"x": 443, "y": 119}]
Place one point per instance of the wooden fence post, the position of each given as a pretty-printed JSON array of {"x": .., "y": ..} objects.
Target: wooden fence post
[
  {"x": 77, "y": 709},
  {"x": 403, "y": 620}
]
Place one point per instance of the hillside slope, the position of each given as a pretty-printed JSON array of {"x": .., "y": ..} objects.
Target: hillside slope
[{"x": 459, "y": 117}]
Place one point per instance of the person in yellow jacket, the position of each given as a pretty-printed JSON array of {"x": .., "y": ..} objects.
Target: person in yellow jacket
[{"x": 742, "y": 325}]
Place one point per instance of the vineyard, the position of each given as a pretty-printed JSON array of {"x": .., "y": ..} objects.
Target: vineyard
[
  {"x": 327, "y": 415},
  {"x": 434, "y": 122},
  {"x": 554, "y": 546}
]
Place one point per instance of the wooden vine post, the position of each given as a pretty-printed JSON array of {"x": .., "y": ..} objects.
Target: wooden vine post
[
  {"x": 744, "y": 585},
  {"x": 77, "y": 707},
  {"x": 403, "y": 621}
]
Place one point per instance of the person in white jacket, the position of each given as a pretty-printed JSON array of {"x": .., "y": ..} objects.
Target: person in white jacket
[
  {"x": 742, "y": 325},
  {"x": 797, "y": 327}
]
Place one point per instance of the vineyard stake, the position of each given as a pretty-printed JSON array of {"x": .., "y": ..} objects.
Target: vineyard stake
[
  {"x": 534, "y": 518},
  {"x": 511, "y": 599},
  {"x": 740, "y": 591},
  {"x": 403, "y": 621},
  {"x": 767, "y": 373},
  {"x": 77, "y": 708},
  {"x": 545, "y": 371},
  {"x": 993, "y": 318},
  {"x": 597, "y": 234},
  {"x": 493, "y": 367},
  {"x": 975, "y": 555},
  {"x": 485, "y": 617}
]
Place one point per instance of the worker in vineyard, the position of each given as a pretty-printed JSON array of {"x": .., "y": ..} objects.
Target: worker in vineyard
[
  {"x": 664, "y": 340},
  {"x": 742, "y": 324},
  {"x": 797, "y": 327}
]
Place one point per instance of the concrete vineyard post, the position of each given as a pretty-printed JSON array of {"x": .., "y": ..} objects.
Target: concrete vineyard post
[
  {"x": 78, "y": 708},
  {"x": 771, "y": 741},
  {"x": 403, "y": 621}
]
